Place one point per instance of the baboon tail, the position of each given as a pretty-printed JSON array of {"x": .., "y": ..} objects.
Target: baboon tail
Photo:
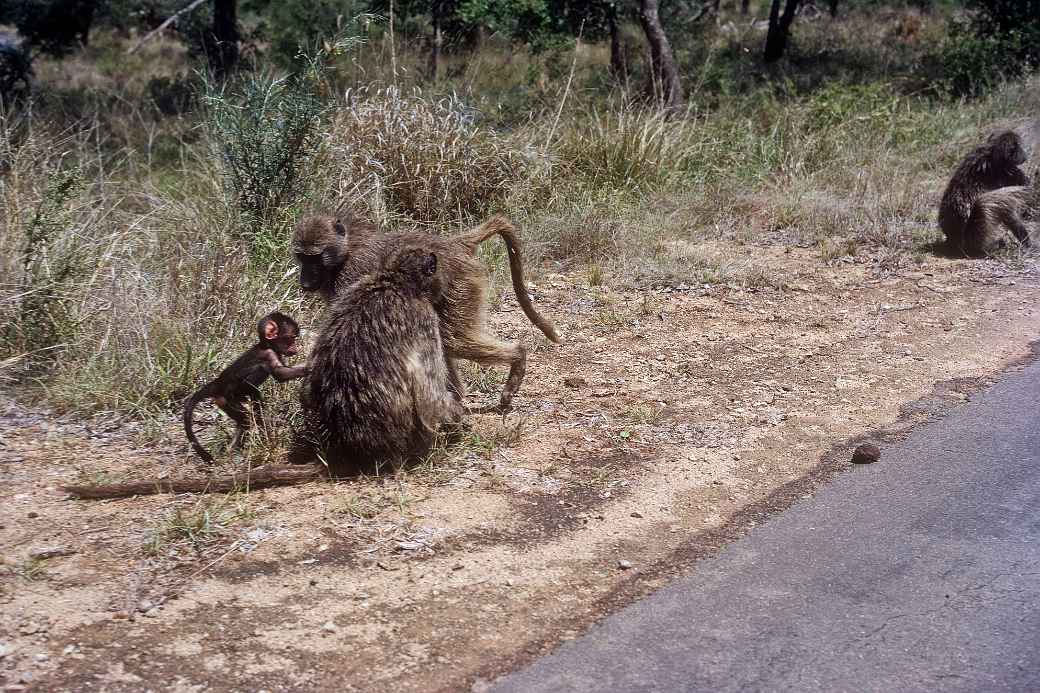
[
  {"x": 261, "y": 477},
  {"x": 189, "y": 410},
  {"x": 503, "y": 227}
]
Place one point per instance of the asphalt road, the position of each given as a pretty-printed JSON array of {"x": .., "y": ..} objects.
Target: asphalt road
[{"x": 918, "y": 573}]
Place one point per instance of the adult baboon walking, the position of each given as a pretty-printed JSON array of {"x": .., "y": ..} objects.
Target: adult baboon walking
[
  {"x": 985, "y": 191},
  {"x": 333, "y": 253}
]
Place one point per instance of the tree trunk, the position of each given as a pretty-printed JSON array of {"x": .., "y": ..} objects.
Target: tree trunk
[
  {"x": 618, "y": 68},
  {"x": 665, "y": 75},
  {"x": 438, "y": 41},
  {"x": 223, "y": 49},
  {"x": 779, "y": 29},
  {"x": 745, "y": 6}
]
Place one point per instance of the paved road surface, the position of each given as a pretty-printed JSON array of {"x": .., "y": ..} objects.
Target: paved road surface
[{"x": 920, "y": 572}]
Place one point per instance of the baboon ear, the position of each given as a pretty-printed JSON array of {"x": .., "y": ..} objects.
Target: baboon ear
[
  {"x": 429, "y": 265},
  {"x": 269, "y": 330},
  {"x": 340, "y": 228}
]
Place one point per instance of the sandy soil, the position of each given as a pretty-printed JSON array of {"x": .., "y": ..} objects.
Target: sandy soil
[{"x": 672, "y": 420}]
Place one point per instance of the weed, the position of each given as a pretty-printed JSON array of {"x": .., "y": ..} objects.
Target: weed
[{"x": 198, "y": 525}]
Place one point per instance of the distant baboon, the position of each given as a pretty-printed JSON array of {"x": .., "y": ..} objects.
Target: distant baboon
[
  {"x": 991, "y": 166},
  {"x": 378, "y": 389},
  {"x": 237, "y": 389},
  {"x": 1012, "y": 208},
  {"x": 333, "y": 253}
]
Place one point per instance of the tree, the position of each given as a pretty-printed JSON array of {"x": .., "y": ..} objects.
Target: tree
[
  {"x": 779, "y": 29},
  {"x": 221, "y": 43},
  {"x": 664, "y": 73},
  {"x": 55, "y": 27}
]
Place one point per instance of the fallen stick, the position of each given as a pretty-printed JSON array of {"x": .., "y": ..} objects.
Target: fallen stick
[{"x": 261, "y": 477}]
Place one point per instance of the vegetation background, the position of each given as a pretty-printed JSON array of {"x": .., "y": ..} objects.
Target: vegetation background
[{"x": 150, "y": 171}]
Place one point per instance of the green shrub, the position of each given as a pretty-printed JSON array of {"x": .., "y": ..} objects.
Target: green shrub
[{"x": 267, "y": 131}]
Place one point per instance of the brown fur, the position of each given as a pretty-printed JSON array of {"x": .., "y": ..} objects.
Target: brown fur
[
  {"x": 991, "y": 166},
  {"x": 333, "y": 253},
  {"x": 379, "y": 388},
  {"x": 997, "y": 212},
  {"x": 236, "y": 390}
]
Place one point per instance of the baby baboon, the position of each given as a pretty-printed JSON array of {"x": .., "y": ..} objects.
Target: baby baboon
[
  {"x": 379, "y": 390},
  {"x": 991, "y": 166},
  {"x": 333, "y": 253},
  {"x": 237, "y": 389}
]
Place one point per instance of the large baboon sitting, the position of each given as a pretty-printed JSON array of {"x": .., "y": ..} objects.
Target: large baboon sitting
[
  {"x": 378, "y": 388},
  {"x": 985, "y": 194},
  {"x": 333, "y": 253}
]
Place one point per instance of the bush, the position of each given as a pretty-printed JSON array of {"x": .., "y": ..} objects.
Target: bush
[
  {"x": 427, "y": 159},
  {"x": 267, "y": 131},
  {"x": 1001, "y": 41}
]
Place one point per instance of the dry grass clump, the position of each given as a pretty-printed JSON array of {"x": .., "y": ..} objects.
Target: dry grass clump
[{"x": 423, "y": 158}]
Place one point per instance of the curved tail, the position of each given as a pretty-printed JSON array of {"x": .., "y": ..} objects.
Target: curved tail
[
  {"x": 189, "y": 410},
  {"x": 261, "y": 477},
  {"x": 503, "y": 227}
]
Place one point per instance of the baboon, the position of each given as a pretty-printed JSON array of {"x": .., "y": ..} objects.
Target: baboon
[
  {"x": 1011, "y": 208},
  {"x": 991, "y": 166},
  {"x": 237, "y": 389},
  {"x": 333, "y": 253},
  {"x": 379, "y": 389}
]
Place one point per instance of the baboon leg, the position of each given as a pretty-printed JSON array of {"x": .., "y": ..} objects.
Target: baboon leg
[
  {"x": 455, "y": 386},
  {"x": 1019, "y": 229},
  {"x": 489, "y": 351},
  {"x": 243, "y": 420}
]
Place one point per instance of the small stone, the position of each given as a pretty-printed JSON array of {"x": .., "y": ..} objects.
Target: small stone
[
  {"x": 145, "y": 605},
  {"x": 42, "y": 657},
  {"x": 637, "y": 515},
  {"x": 574, "y": 381},
  {"x": 329, "y": 627},
  {"x": 624, "y": 565},
  {"x": 458, "y": 566},
  {"x": 70, "y": 650},
  {"x": 313, "y": 582},
  {"x": 120, "y": 615},
  {"x": 33, "y": 515},
  {"x": 152, "y": 613},
  {"x": 29, "y": 628},
  {"x": 5, "y": 649},
  {"x": 866, "y": 453}
]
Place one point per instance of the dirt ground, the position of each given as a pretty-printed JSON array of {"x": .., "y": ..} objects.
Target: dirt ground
[{"x": 672, "y": 420}]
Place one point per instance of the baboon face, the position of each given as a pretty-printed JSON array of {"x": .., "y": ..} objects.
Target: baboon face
[
  {"x": 1008, "y": 148},
  {"x": 319, "y": 245},
  {"x": 280, "y": 332}
]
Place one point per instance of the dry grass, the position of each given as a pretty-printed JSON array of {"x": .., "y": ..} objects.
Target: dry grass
[{"x": 159, "y": 292}]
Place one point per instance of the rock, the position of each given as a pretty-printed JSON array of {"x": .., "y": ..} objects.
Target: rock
[
  {"x": 120, "y": 615},
  {"x": 624, "y": 565},
  {"x": 636, "y": 515},
  {"x": 329, "y": 627},
  {"x": 152, "y": 613},
  {"x": 70, "y": 650},
  {"x": 5, "y": 649},
  {"x": 29, "y": 628},
  {"x": 42, "y": 657},
  {"x": 33, "y": 515},
  {"x": 866, "y": 453},
  {"x": 574, "y": 381},
  {"x": 145, "y": 605}
]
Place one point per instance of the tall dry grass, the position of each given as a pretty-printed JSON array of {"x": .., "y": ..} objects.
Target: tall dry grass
[{"x": 125, "y": 278}]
